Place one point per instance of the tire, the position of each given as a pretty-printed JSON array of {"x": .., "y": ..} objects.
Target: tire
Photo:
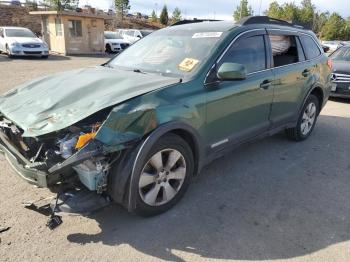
[
  {"x": 8, "y": 52},
  {"x": 108, "y": 49},
  {"x": 163, "y": 180},
  {"x": 45, "y": 57},
  {"x": 306, "y": 121}
]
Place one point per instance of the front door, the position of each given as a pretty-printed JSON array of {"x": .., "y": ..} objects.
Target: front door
[{"x": 239, "y": 109}]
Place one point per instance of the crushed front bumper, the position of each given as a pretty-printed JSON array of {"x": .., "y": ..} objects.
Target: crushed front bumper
[
  {"x": 26, "y": 169},
  {"x": 22, "y": 166}
]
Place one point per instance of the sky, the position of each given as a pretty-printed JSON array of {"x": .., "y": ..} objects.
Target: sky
[{"x": 218, "y": 9}]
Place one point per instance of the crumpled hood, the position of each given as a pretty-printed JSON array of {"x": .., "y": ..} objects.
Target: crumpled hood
[{"x": 55, "y": 102}]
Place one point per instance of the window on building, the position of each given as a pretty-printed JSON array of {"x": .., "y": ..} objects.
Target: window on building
[
  {"x": 75, "y": 28},
  {"x": 284, "y": 50},
  {"x": 310, "y": 47},
  {"x": 58, "y": 27},
  {"x": 249, "y": 52}
]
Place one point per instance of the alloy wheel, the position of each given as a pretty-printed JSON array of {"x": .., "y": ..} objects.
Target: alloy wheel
[
  {"x": 309, "y": 117},
  {"x": 162, "y": 177}
]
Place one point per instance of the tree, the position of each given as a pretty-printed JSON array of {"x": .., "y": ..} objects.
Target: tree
[
  {"x": 122, "y": 7},
  {"x": 164, "y": 16},
  {"x": 59, "y": 5},
  {"x": 334, "y": 28},
  {"x": 307, "y": 13},
  {"x": 154, "y": 17},
  {"x": 176, "y": 15},
  {"x": 242, "y": 10},
  {"x": 274, "y": 11}
]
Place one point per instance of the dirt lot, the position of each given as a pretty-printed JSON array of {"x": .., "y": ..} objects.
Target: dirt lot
[{"x": 271, "y": 200}]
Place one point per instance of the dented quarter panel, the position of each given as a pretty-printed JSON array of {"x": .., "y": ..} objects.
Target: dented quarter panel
[{"x": 55, "y": 102}]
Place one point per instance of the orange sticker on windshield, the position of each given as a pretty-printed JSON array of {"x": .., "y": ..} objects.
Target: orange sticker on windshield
[{"x": 188, "y": 64}]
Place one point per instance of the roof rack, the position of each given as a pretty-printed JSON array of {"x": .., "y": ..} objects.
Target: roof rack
[
  {"x": 265, "y": 20},
  {"x": 184, "y": 22}
]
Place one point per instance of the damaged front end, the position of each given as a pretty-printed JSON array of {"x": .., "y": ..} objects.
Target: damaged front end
[{"x": 53, "y": 159}]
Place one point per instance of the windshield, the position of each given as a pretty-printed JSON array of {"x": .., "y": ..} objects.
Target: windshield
[
  {"x": 169, "y": 52},
  {"x": 19, "y": 33},
  {"x": 342, "y": 54},
  {"x": 112, "y": 36}
]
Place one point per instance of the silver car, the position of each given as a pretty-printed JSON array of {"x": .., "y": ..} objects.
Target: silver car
[{"x": 20, "y": 41}]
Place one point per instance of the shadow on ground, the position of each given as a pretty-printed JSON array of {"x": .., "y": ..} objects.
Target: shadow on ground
[{"x": 273, "y": 199}]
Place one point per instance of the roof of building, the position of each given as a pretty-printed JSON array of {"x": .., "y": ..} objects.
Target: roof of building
[{"x": 73, "y": 13}]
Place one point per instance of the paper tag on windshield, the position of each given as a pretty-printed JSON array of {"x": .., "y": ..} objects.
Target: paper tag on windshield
[
  {"x": 207, "y": 35},
  {"x": 188, "y": 64}
]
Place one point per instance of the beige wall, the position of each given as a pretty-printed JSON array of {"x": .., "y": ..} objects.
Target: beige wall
[{"x": 91, "y": 41}]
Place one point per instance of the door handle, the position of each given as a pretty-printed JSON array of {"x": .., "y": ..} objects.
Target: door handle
[
  {"x": 306, "y": 73},
  {"x": 266, "y": 84}
]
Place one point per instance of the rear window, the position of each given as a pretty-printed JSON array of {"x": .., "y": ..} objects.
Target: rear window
[
  {"x": 311, "y": 49},
  {"x": 284, "y": 50}
]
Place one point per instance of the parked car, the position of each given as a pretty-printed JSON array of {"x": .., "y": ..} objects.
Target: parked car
[
  {"x": 332, "y": 45},
  {"x": 134, "y": 35},
  {"x": 139, "y": 127},
  {"x": 19, "y": 41},
  {"x": 114, "y": 42},
  {"x": 341, "y": 72}
]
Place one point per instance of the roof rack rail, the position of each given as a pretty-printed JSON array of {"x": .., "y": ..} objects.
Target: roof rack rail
[
  {"x": 265, "y": 20},
  {"x": 184, "y": 22}
]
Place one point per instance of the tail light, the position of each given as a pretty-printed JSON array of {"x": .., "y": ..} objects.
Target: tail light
[{"x": 330, "y": 64}]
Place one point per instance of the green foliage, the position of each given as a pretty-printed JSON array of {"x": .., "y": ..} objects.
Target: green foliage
[
  {"x": 334, "y": 28},
  {"x": 164, "y": 16},
  {"x": 176, "y": 15},
  {"x": 122, "y": 7},
  {"x": 154, "y": 17},
  {"x": 32, "y": 5},
  {"x": 59, "y": 5},
  {"x": 243, "y": 10},
  {"x": 328, "y": 27}
]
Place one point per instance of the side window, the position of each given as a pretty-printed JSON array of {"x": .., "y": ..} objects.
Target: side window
[
  {"x": 58, "y": 26},
  {"x": 310, "y": 47},
  {"x": 75, "y": 28},
  {"x": 249, "y": 51},
  {"x": 284, "y": 50}
]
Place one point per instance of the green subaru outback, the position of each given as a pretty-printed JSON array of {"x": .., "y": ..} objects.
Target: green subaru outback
[{"x": 140, "y": 126}]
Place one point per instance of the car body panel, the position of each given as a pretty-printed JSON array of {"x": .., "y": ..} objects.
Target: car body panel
[{"x": 54, "y": 102}]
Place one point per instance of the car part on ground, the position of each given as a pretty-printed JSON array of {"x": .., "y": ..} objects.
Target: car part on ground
[{"x": 140, "y": 126}]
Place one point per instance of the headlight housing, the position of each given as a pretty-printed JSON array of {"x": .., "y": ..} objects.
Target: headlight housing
[
  {"x": 45, "y": 45},
  {"x": 15, "y": 44}
]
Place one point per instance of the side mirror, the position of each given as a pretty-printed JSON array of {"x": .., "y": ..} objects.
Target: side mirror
[
  {"x": 232, "y": 71},
  {"x": 325, "y": 48}
]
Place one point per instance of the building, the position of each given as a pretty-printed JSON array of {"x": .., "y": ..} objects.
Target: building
[{"x": 69, "y": 33}]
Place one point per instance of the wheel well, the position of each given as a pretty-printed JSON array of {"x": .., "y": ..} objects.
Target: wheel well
[
  {"x": 189, "y": 138},
  {"x": 319, "y": 94}
]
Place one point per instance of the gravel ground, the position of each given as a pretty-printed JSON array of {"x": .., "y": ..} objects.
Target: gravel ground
[{"x": 271, "y": 200}]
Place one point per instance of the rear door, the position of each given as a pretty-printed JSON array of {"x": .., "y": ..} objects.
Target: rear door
[
  {"x": 291, "y": 76},
  {"x": 239, "y": 109}
]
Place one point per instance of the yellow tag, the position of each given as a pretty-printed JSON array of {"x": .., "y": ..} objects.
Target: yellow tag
[{"x": 188, "y": 64}]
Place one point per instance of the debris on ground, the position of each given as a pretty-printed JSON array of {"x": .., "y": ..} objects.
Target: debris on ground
[{"x": 4, "y": 229}]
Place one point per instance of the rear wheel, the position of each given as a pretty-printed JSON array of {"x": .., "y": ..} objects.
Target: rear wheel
[
  {"x": 165, "y": 176},
  {"x": 108, "y": 49},
  {"x": 307, "y": 120}
]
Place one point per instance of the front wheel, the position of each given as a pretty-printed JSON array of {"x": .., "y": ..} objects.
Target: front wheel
[
  {"x": 306, "y": 121},
  {"x": 165, "y": 176}
]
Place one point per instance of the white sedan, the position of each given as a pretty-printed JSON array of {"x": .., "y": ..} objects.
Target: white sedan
[{"x": 19, "y": 41}]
